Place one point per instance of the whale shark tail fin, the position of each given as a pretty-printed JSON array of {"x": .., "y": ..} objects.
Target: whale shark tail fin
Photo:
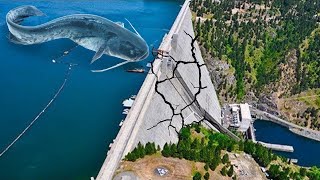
[
  {"x": 18, "y": 14},
  {"x": 14, "y": 39},
  {"x": 117, "y": 65}
]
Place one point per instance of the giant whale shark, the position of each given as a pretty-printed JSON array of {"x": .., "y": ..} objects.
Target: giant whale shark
[{"x": 89, "y": 31}]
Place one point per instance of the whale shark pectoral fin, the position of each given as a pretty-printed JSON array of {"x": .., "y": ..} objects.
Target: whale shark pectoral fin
[
  {"x": 121, "y": 24},
  {"x": 99, "y": 53}
]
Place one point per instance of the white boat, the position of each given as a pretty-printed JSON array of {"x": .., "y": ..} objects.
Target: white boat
[
  {"x": 125, "y": 111},
  {"x": 128, "y": 103},
  {"x": 149, "y": 65},
  {"x": 121, "y": 123}
]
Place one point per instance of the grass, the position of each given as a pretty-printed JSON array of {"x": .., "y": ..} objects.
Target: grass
[{"x": 310, "y": 101}]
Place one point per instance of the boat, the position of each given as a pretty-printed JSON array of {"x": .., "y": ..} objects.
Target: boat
[
  {"x": 128, "y": 103},
  {"x": 66, "y": 52},
  {"x": 133, "y": 97},
  {"x": 136, "y": 70},
  {"x": 121, "y": 123},
  {"x": 125, "y": 111},
  {"x": 149, "y": 65}
]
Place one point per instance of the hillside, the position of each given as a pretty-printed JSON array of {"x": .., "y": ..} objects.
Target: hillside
[
  {"x": 264, "y": 52},
  {"x": 202, "y": 153}
]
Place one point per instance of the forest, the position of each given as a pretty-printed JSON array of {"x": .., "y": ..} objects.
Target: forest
[
  {"x": 212, "y": 149},
  {"x": 255, "y": 36}
]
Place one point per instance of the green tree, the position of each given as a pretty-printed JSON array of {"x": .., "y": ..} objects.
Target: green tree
[
  {"x": 223, "y": 171},
  {"x": 197, "y": 176},
  {"x": 206, "y": 167},
  {"x": 206, "y": 176},
  {"x": 184, "y": 133},
  {"x": 225, "y": 159},
  {"x": 166, "y": 150},
  {"x": 303, "y": 172},
  {"x": 230, "y": 171},
  {"x": 150, "y": 148},
  {"x": 141, "y": 150},
  {"x": 131, "y": 157}
]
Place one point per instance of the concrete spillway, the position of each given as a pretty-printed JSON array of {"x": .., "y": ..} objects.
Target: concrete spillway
[{"x": 142, "y": 123}]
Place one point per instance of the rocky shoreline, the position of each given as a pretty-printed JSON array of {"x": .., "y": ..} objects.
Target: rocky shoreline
[{"x": 302, "y": 131}]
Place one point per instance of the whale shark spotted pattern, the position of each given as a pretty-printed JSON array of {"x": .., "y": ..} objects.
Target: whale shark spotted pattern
[{"x": 89, "y": 31}]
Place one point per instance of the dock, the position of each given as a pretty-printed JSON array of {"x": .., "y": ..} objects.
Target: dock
[
  {"x": 277, "y": 147},
  {"x": 294, "y": 161}
]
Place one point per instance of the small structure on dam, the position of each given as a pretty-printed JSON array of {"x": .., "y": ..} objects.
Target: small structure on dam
[{"x": 177, "y": 91}]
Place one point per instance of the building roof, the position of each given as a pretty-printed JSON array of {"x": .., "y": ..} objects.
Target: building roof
[
  {"x": 245, "y": 111},
  {"x": 245, "y": 117},
  {"x": 235, "y": 108}
]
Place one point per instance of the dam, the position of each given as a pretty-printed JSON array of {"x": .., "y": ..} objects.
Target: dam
[{"x": 171, "y": 96}]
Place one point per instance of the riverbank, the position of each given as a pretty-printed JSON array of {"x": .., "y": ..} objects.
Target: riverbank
[
  {"x": 302, "y": 131},
  {"x": 306, "y": 150}
]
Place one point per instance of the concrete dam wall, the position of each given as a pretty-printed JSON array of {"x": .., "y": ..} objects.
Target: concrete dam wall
[{"x": 170, "y": 97}]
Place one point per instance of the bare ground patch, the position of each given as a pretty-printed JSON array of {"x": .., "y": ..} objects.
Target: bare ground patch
[{"x": 181, "y": 169}]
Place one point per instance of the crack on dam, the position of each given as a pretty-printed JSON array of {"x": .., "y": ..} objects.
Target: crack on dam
[{"x": 194, "y": 100}]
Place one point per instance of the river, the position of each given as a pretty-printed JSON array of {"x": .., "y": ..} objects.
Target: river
[
  {"x": 305, "y": 150},
  {"x": 70, "y": 140}
]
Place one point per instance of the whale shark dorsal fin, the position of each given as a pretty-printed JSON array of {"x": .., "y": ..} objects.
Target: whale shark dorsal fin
[
  {"x": 133, "y": 27},
  {"x": 99, "y": 53},
  {"x": 121, "y": 24}
]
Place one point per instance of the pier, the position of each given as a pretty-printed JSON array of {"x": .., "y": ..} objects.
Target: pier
[{"x": 277, "y": 147}]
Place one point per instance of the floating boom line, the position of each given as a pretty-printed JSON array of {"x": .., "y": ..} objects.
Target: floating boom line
[{"x": 43, "y": 110}]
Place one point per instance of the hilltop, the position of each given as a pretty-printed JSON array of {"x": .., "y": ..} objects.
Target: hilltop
[{"x": 264, "y": 52}]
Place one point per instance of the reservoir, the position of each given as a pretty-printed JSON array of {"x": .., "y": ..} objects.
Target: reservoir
[
  {"x": 71, "y": 138},
  {"x": 305, "y": 150}
]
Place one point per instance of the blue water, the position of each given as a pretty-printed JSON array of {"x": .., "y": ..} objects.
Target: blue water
[
  {"x": 305, "y": 150},
  {"x": 71, "y": 139}
]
